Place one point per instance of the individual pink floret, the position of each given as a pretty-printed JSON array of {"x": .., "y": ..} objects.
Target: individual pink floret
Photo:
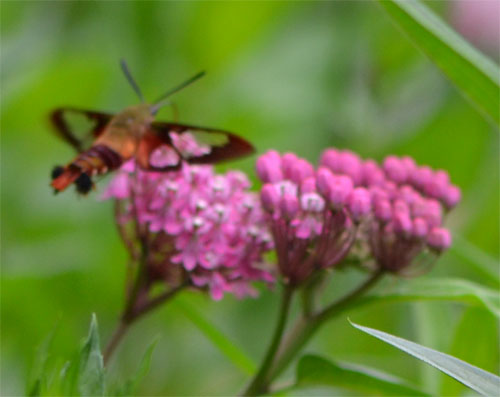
[
  {"x": 439, "y": 238},
  {"x": 359, "y": 203}
]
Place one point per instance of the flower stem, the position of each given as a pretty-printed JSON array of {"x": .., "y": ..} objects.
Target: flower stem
[
  {"x": 132, "y": 313},
  {"x": 306, "y": 326},
  {"x": 117, "y": 336},
  {"x": 260, "y": 380}
]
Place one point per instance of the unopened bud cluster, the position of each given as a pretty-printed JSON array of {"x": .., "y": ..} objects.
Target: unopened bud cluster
[{"x": 316, "y": 215}]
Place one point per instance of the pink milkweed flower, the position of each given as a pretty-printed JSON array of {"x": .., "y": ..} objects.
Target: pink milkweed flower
[
  {"x": 394, "y": 210},
  {"x": 308, "y": 214},
  {"x": 408, "y": 213},
  {"x": 199, "y": 227}
]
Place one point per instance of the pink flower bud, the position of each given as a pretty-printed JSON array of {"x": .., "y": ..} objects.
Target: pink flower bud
[
  {"x": 270, "y": 197},
  {"x": 435, "y": 186},
  {"x": 351, "y": 165},
  {"x": 301, "y": 170},
  {"x": 409, "y": 164},
  {"x": 378, "y": 193},
  {"x": 383, "y": 210},
  {"x": 330, "y": 159},
  {"x": 401, "y": 222},
  {"x": 372, "y": 173},
  {"x": 324, "y": 181},
  {"x": 308, "y": 185},
  {"x": 288, "y": 161},
  {"x": 395, "y": 169},
  {"x": 401, "y": 207},
  {"x": 420, "y": 227},
  {"x": 269, "y": 167},
  {"x": 289, "y": 205},
  {"x": 340, "y": 190},
  {"x": 428, "y": 209},
  {"x": 408, "y": 194},
  {"x": 421, "y": 176},
  {"x": 452, "y": 196},
  {"x": 439, "y": 238},
  {"x": 359, "y": 202},
  {"x": 391, "y": 189}
]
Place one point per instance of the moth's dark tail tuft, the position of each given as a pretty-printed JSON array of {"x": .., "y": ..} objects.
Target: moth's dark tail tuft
[
  {"x": 84, "y": 183},
  {"x": 56, "y": 171},
  {"x": 65, "y": 178}
]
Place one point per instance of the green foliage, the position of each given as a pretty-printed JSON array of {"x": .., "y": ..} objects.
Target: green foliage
[
  {"x": 215, "y": 336},
  {"x": 473, "y": 73},
  {"x": 475, "y": 325},
  {"x": 477, "y": 379},
  {"x": 130, "y": 388},
  {"x": 481, "y": 261},
  {"x": 91, "y": 367},
  {"x": 37, "y": 381},
  {"x": 314, "y": 370},
  {"x": 85, "y": 374},
  {"x": 445, "y": 289}
]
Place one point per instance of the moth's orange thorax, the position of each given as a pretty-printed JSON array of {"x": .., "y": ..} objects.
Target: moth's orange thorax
[{"x": 126, "y": 129}]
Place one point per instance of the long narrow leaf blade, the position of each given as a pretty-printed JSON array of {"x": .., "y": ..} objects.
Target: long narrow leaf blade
[
  {"x": 481, "y": 261},
  {"x": 445, "y": 289},
  {"x": 315, "y": 371},
  {"x": 477, "y": 379},
  {"x": 472, "y": 72},
  {"x": 228, "y": 348}
]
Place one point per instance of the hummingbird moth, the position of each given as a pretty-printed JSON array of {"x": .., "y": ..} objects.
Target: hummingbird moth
[{"x": 110, "y": 140}]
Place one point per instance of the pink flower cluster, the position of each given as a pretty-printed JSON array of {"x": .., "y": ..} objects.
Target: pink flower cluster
[
  {"x": 316, "y": 215},
  {"x": 206, "y": 226}
]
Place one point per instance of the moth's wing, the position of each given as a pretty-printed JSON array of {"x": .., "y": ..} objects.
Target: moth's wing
[
  {"x": 155, "y": 154},
  {"x": 213, "y": 145},
  {"x": 79, "y": 127}
]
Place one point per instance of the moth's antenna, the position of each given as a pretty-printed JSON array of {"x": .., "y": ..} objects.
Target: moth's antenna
[
  {"x": 131, "y": 80},
  {"x": 161, "y": 100}
]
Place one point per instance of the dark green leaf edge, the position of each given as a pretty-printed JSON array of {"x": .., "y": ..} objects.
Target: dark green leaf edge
[{"x": 314, "y": 370}]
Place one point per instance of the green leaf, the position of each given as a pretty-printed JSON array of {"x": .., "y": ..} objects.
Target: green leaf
[
  {"x": 481, "y": 261},
  {"x": 316, "y": 371},
  {"x": 37, "y": 383},
  {"x": 472, "y": 72},
  {"x": 143, "y": 369},
  {"x": 477, "y": 379},
  {"x": 91, "y": 368},
  {"x": 445, "y": 289},
  {"x": 221, "y": 341},
  {"x": 475, "y": 325},
  {"x": 68, "y": 377}
]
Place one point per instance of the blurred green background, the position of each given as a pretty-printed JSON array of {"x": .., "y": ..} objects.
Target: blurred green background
[{"x": 297, "y": 76}]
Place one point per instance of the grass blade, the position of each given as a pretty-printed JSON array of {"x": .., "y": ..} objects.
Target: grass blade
[
  {"x": 472, "y": 72},
  {"x": 444, "y": 289},
  {"x": 477, "y": 379},
  {"x": 228, "y": 348}
]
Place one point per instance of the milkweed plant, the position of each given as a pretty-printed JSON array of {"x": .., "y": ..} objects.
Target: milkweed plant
[
  {"x": 201, "y": 230},
  {"x": 196, "y": 229}
]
